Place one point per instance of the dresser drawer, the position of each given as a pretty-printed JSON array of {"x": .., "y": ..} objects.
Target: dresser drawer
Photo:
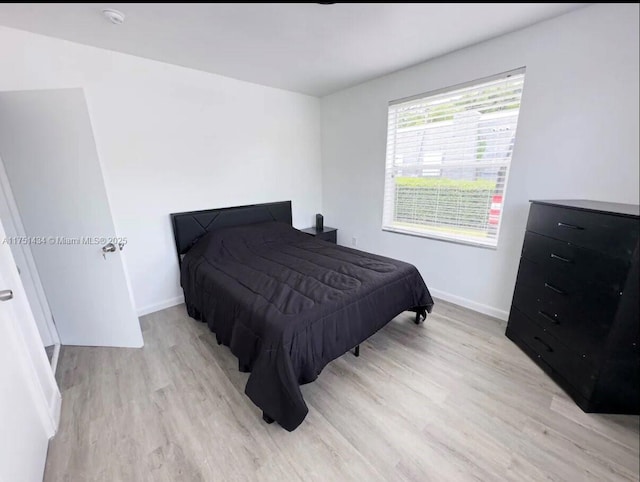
[
  {"x": 577, "y": 371},
  {"x": 581, "y": 327},
  {"x": 575, "y": 303},
  {"x": 614, "y": 235},
  {"x": 591, "y": 267},
  {"x": 566, "y": 290}
]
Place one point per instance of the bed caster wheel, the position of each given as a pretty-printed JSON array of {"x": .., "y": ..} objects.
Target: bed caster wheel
[
  {"x": 420, "y": 317},
  {"x": 267, "y": 418}
]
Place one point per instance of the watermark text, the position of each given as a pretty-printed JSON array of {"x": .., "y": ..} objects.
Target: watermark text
[{"x": 64, "y": 240}]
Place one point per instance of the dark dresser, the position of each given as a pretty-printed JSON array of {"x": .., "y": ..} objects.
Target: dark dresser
[{"x": 575, "y": 305}]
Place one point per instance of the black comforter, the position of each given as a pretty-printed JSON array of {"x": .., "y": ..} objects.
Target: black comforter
[{"x": 288, "y": 304}]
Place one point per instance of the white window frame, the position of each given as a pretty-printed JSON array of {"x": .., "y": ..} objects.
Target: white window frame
[{"x": 424, "y": 169}]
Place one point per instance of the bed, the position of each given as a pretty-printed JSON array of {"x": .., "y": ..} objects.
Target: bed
[{"x": 286, "y": 303}]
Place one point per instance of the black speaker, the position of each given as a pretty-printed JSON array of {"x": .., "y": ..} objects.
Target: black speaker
[{"x": 319, "y": 222}]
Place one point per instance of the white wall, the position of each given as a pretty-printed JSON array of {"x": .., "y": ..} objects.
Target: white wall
[
  {"x": 577, "y": 138},
  {"x": 172, "y": 139}
]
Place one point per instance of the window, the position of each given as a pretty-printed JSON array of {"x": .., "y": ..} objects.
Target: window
[{"x": 448, "y": 156}]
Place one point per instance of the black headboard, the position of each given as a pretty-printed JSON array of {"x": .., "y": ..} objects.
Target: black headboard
[{"x": 191, "y": 226}]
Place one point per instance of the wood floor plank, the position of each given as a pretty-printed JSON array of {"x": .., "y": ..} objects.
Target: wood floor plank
[{"x": 452, "y": 399}]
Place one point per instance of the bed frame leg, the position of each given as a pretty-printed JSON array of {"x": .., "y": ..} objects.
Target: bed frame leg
[
  {"x": 267, "y": 418},
  {"x": 356, "y": 352},
  {"x": 421, "y": 315}
]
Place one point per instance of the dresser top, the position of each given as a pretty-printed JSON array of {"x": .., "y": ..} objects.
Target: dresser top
[{"x": 628, "y": 210}]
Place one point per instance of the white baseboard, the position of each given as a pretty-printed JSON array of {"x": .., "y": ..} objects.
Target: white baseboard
[
  {"x": 472, "y": 305},
  {"x": 145, "y": 310},
  {"x": 55, "y": 405},
  {"x": 55, "y": 358}
]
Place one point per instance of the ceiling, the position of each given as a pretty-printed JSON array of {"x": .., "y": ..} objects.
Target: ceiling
[{"x": 304, "y": 47}]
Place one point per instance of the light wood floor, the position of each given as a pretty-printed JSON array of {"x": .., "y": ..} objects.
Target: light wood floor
[{"x": 452, "y": 399}]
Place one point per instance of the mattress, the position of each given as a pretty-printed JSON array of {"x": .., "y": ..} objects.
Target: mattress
[{"x": 287, "y": 304}]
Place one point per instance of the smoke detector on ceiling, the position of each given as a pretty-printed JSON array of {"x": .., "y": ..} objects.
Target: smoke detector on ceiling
[{"x": 114, "y": 16}]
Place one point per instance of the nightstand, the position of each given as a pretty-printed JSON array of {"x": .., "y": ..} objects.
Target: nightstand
[{"x": 326, "y": 234}]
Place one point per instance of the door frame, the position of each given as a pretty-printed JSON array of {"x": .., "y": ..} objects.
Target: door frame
[
  {"x": 42, "y": 384},
  {"x": 12, "y": 222}
]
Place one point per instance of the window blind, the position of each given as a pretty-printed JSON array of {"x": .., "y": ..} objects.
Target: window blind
[{"x": 448, "y": 157}]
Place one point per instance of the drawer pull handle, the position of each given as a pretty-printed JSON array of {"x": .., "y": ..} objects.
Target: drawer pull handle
[
  {"x": 553, "y": 288},
  {"x": 570, "y": 226},
  {"x": 550, "y": 318},
  {"x": 560, "y": 258},
  {"x": 549, "y": 349}
]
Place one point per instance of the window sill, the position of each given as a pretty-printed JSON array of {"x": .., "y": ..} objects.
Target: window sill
[{"x": 477, "y": 244}]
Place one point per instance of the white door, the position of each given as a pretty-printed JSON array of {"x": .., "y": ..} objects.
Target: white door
[
  {"x": 49, "y": 154},
  {"x": 27, "y": 386}
]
